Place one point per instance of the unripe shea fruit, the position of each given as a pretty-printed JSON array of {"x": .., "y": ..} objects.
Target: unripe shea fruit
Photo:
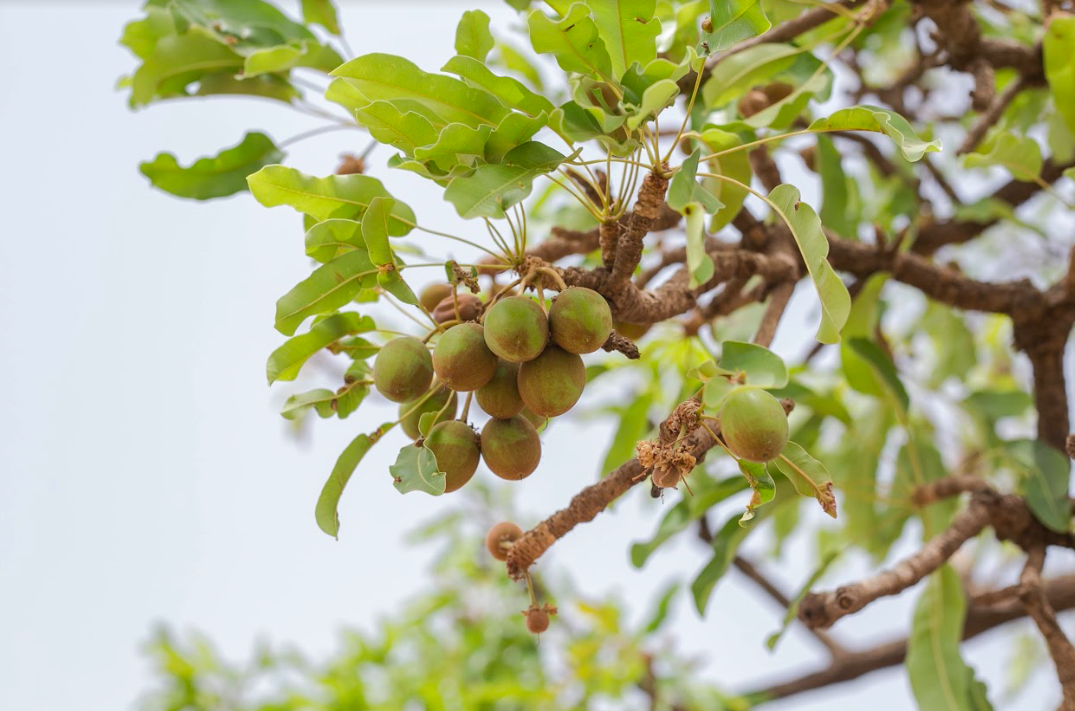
[
  {"x": 511, "y": 448},
  {"x": 470, "y": 307},
  {"x": 403, "y": 369},
  {"x": 456, "y": 446},
  {"x": 462, "y": 360},
  {"x": 433, "y": 294},
  {"x": 411, "y": 416},
  {"x": 552, "y": 383},
  {"x": 516, "y": 329},
  {"x": 500, "y": 396},
  {"x": 634, "y": 331},
  {"x": 580, "y": 320},
  {"x": 503, "y": 532},
  {"x": 754, "y": 425}
]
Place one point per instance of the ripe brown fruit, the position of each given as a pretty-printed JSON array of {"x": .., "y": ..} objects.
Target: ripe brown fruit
[
  {"x": 456, "y": 446},
  {"x": 500, "y": 396},
  {"x": 403, "y": 369},
  {"x": 537, "y": 620},
  {"x": 580, "y": 320},
  {"x": 412, "y": 416},
  {"x": 433, "y": 294},
  {"x": 753, "y": 102},
  {"x": 665, "y": 477},
  {"x": 754, "y": 425},
  {"x": 511, "y": 448},
  {"x": 503, "y": 532},
  {"x": 461, "y": 358},
  {"x": 777, "y": 91},
  {"x": 516, "y": 329},
  {"x": 470, "y": 307},
  {"x": 552, "y": 383}
]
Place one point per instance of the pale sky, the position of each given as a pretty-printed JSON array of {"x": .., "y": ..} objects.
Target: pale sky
[{"x": 145, "y": 475}]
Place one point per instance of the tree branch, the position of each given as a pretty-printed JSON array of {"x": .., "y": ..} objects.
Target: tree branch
[{"x": 1038, "y": 608}]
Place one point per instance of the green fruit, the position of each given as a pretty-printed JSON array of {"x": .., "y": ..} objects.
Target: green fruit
[
  {"x": 580, "y": 320},
  {"x": 634, "y": 331},
  {"x": 433, "y": 294},
  {"x": 754, "y": 425},
  {"x": 503, "y": 532},
  {"x": 412, "y": 416},
  {"x": 500, "y": 396},
  {"x": 461, "y": 358},
  {"x": 516, "y": 329},
  {"x": 403, "y": 369},
  {"x": 552, "y": 383},
  {"x": 456, "y": 447},
  {"x": 511, "y": 448},
  {"x": 535, "y": 419}
]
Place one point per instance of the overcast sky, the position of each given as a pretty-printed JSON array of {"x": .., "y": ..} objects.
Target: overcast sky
[{"x": 145, "y": 474}]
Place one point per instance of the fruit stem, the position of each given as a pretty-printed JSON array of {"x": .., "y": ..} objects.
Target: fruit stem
[
  {"x": 530, "y": 589},
  {"x": 556, "y": 278},
  {"x": 466, "y": 406}
]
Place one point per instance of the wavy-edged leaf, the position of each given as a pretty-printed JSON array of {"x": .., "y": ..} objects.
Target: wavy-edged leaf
[
  {"x": 1045, "y": 474},
  {"x": 760, "y": 366},
  {"x": 654, "y": 100},
  {"x": 808, "y": 475},
  {"x": 329, "y": 239},
  {"x": 472, "y": 36},
  {"x": 492, "y": 188},
  {"x": 178, "y": 61},
  {"x": 734, "y": 21},
  {"x": 321, "y": 12},
  {"x": 573, "y": 40},
  {"x": 319, "y": 400},
  {"x": 726, "y": 542},
  {"x": 404, "y": 130},
  {"x": 1019, "y": 155},
  {"x": 511, "y": 92},
  {"x": 940, "y": 679},
  {"x": 874, "y": 118},
  {"x": 806, "y": 228},
  {"x": 416, "y": 470},
  {"x": 1059, "y": 64},
  {"x": 629, "y": 31},
  {"x": 456, "y": 144},
  {"x": 328, "y": 288},
  {"x": 212, "y": 177},
  {"x": 285, "y": 57},
  {"x": 386, "y": 77},
  {"x": 343, "y": 196},
  {"x": 328, "y": 519},
  {"x": 286, "y": 361}
]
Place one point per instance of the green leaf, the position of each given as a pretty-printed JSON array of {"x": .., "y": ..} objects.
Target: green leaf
[
  {"x": 1045, "y": 473},
  {"x": 940, "y": 679},
  {"x": 1019, "y": 155},
  {"x": 375, "y": 226},
  {"x": 862, "y": 323},
  {"x": 837, "y": 209},
  {"x": 416, "y": 470},
  {"x": 762, "y": 367},
  {"x": 654, "y": 100},
  {"x": 285, "y": 57},
  {"x": 320, "y": 400},
  {"x": 1059, "y": 64},
  {"x": 492, "y": 188},
  {"x": 873, "y": 118},
  {"x": 327, "y": 518},
  {"x": 761, "y": 483},
  {"x": 329, "y": 287},
  {"x": 793, "y": 609},
  {"x": 684, "y": 187},
  {"x": 221, "y": 175},
  {"x": 735, "y": 165},
  {"x": 388, "y": 125},
  {"x": 246, "y": 25},
  {"x": 386, "y": 77},
  {"x": 884, "y": 368},
  {"x": 342, "y": 196},
  {"x": 455, "y": 141},
  {"x": 329, "y": 239},
  {"x": 699, "y": 263},
  {"x": 744, "y": 70},
  {"x": 634, "y": 424},
  {"x": 472, "y": 36},
  {"x": 628, "y": 30},
  {"x": 806, "y": 228},
  {"x": 511, "y": 92},
  {"x": 286, "y": 361},
  {"x": 141, "y": 36},
  {"x": 726, "y": 542},
  {"x": 808, "y": 475},
  {"x": 660, "y": 613},
  {"x": 574, "y": 41},
  {"x": 178, "y": 61},
  {"x": 321, "y": 12},
  {"x": 734, "y": 21}
]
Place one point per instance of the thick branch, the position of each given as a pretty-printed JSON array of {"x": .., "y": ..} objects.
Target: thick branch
[
  {"x": 629, "y": 246},
  {"x": 1038, "y": 608}
]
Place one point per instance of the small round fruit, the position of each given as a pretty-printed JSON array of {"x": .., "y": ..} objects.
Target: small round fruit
[
  {"x": 461, "y": 358},
  {"x": 580, "y": 320},
  {"x": 665, "y": 477},
  {"x": 500, "y": 396},
  {"x": 535, "y": 419},
  {"x": 552, "y": 383},
  {"x": 753, "y": 102},
  {"x": 754, "y": 425},
  {"x": 503, "y": 532},
  {"x": 412, "y": 416},
  {"x": 516, "y": 329},
  {"x": 403, "y": 369},
  {"x": 456, "y": 447},
  {"x": 634, "y": 331},
  {"x": 537, "y": 620},
  {"x": 470, "y": 306},
  {"x": 433, "y": 294},
  {"x": 511, "y": 448}
]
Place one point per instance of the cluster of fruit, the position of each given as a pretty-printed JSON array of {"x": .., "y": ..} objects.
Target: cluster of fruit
[{"x": 523, "y": 365}]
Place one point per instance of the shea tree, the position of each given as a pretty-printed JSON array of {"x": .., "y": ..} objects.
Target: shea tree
[{"x": 630, "y": 176}]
